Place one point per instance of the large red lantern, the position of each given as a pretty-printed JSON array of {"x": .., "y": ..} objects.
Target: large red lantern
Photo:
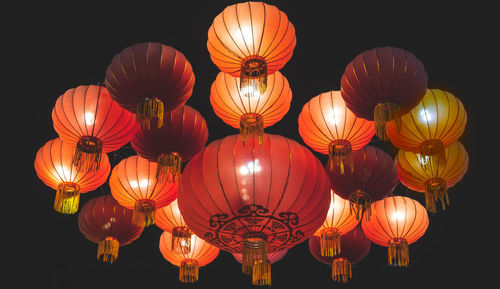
[
  {"x": 183, "y": 135},
  {"x": 265, "y": 278},
  {"x": 87, "y": 118},
  {"x": 254, "y": 199},
  {"x": 105, "y": 222},
  {"x": 149, "y": 79},
  {"x": 382, "y": 84}
]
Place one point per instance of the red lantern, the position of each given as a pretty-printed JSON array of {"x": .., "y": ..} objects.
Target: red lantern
[
  {"x": 374, "y": 176},
  {"x": 87, "y": 118},
  {"x": 105, "y": 222},
  {"x": 355, "y": 247},
  {"x": 266, "y": 277},
  {"x": 182, "y": 136},
  {"x": 254, "y": 199},
  {"x": 150, "y": 79},
  {"x": 382, "y": 84}
]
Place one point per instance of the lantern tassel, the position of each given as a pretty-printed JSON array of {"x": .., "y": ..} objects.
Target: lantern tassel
[
  {"x": 254, "y": 250},
  {"x": 144, "y": 213},
  {"x": 253, "y": 76},
  {"x": 261, "y": 273},
  {"x": 67, "y": 198},
  {"x": 188, "y": 271},
  {"x": 432, "y": 155},
  {"x": 329, "y": 241},
  {"x": 87, "y": 155},
  {"x": 252, "y": 124},
  {"x": 181, "y": 240},
  {"x": 360, "y": 204},
  {"x": 341, "y": 270},
  {"x": 436, "y": 190},
  {"x": 383, "y": 113},
  {"x": 107, "y": 250},
  {"x": 398, "y": 253},
  {"x": 169, "y": 167},
  {"x": 148, "y": 110},
  {"x": 340, "y": 155}
]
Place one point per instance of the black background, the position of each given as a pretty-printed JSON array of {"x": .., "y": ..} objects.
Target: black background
[{"x": 66, "y": 45}]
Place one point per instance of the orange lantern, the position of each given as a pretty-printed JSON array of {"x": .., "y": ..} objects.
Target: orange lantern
[
  {"x": 54, "y": 166},
  {"x": 90, "y": 120},
  {"x": 250, "y": 114},
  {"x": 339, "y": 221},
  {"x": 251, "y": 40},
  {"x": 398, "y": 222},
  {"x": 263, "y": 278},
  {"x": 134, "y": 185},
  {"x": 433, "y": 182},
  {"x": 434, "y": 124},
  {"x": 327, "y": 126},
  {"x": 169, "y": 219},
  {"x": 201, "y": 254}
]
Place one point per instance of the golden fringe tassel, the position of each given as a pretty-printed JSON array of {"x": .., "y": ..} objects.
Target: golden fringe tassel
[
  {"x": 188, "y": 271},
  {"x": 329, "y": 242},
  {"x": 361, "y": 204},
  {"x": 252, "y": 124},
  {"x": 67, "y": 198},
  {"x": 107, "y": 250},
  {"x": 181, "y": 240},
  {"x": 340, "y": 152},
  {"x": 383, "y": 113},
  {"x": 432, "y": 155},
  {"x": 436, "y": 190},
  {"x": 169, "y": 167},
  {"x": 144, "y": 213},
  {"x": 341, "y": 270},
  {"x": 254, "y": 250},
  {"x": 253, "y": 76},
  {"x": 261, "y": 273},
  {"x": 398, "y": 253},
  {"x": 87, "y": 155},
  {"x": 148, "y": 110}
]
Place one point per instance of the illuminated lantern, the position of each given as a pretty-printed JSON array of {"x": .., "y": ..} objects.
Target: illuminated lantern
[
  {"x": 87, "y": 118},
  {"x": 250, "y": 114},
  {"x": 254, "y": 199},
  {"x": 150, "y": 79},
  {"x": 271, "y": 259},
  {"x": 435, "y": 181},
  {"x": 105, "y": 222},
  {"x": 397, "y": 222},
  {"x": 251, "y": 40},
  {"x": 134, "y": 185},
  {"x": 374, "y": 176},
  {"x": 382, "y": 84},
  {"x": 169, "y": 219},
  {"x": 200, "y": 254},
  {"x": 355, "y": 247},
  {"x": 183, "y": 135},
  {"x": 434, "y": 124},
  {"x": 54, "y": 167},
  {"x": 339, "y": 221},
  {"x": 327, "y": 126}
]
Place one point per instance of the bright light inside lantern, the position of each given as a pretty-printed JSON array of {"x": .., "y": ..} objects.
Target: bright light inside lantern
[
  {"x": 334, "y": 116},
  {"x": 144, "y": 183},
  {"x": 250, "y": 91},
  {"x": 89, "y": 118},
  {"x": 425, "y": 115},
  {"x": 63, "y": 172},
  {"x": 246, "y": 32},
  {"x": 250, "y": 168},
  {"x": 398, "y": 216}
]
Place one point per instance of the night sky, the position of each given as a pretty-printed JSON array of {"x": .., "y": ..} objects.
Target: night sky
[{"x": 66, "y": 46}]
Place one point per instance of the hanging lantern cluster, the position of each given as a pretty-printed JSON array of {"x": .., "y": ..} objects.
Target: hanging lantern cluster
[{"x": 253, "y": 194}]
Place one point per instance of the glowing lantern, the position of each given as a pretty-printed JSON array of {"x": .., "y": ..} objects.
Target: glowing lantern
[
  {"x": 265, "y": 279},
  {"x": 134, "y": 185},
  {"x": 339, "y": 221},
  {"x": 87, "y": 118},
  {"x": 251, "y": 40},
  {"x": 105, "y": 222},
  {"x": 434, "y": 124},
  {"x": 250, "y": 114},
  {"x": 150, "y": 79},
  {"x": 169, "y": 219},
  {"x": 201, "y": 254},
  {"x": 397, "y": 222},
  {"x": 327, "y": 126},
  {"x": 436, "y": 179},
  {"x": 382, "y": 84},
  {"x": 54, "y": 167}
]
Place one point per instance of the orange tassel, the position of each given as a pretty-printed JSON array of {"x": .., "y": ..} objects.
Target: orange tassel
[
  {"x": 383, "y": 113},
  {"x": 67, "y": 198},
  {"x": 107, "y": 250},
  {"x": 252, "y": 124},
  {"x": 147, "y": 111}
]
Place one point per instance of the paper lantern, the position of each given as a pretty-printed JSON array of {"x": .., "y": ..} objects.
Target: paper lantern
[
  {"x": 183, "y": 135},
  {"x": 54, "y": 166},
  {"x": 374, "y": 176},
  {"x": 434, "y": 124},
  {"x": 251, "y": 40},
  {"x": 250, "y": 114},
  {"x": 265, "y": 279},
  {"x": 201, "y": 254},
  {"x": 397, "y": 222},
  {"x": 169, "y": 219},
  {"x": 433, "y": 181},
  {"x": 150, "y": 79},
  {"x": 327, "y": 126},
  {"x": 105, "y": 222},
  {"x": 339, "y": 221},
  {"x": 134, "y": 185},
  {"x": 382, "y": 84},
  {"x": 87, "y": 118}
]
